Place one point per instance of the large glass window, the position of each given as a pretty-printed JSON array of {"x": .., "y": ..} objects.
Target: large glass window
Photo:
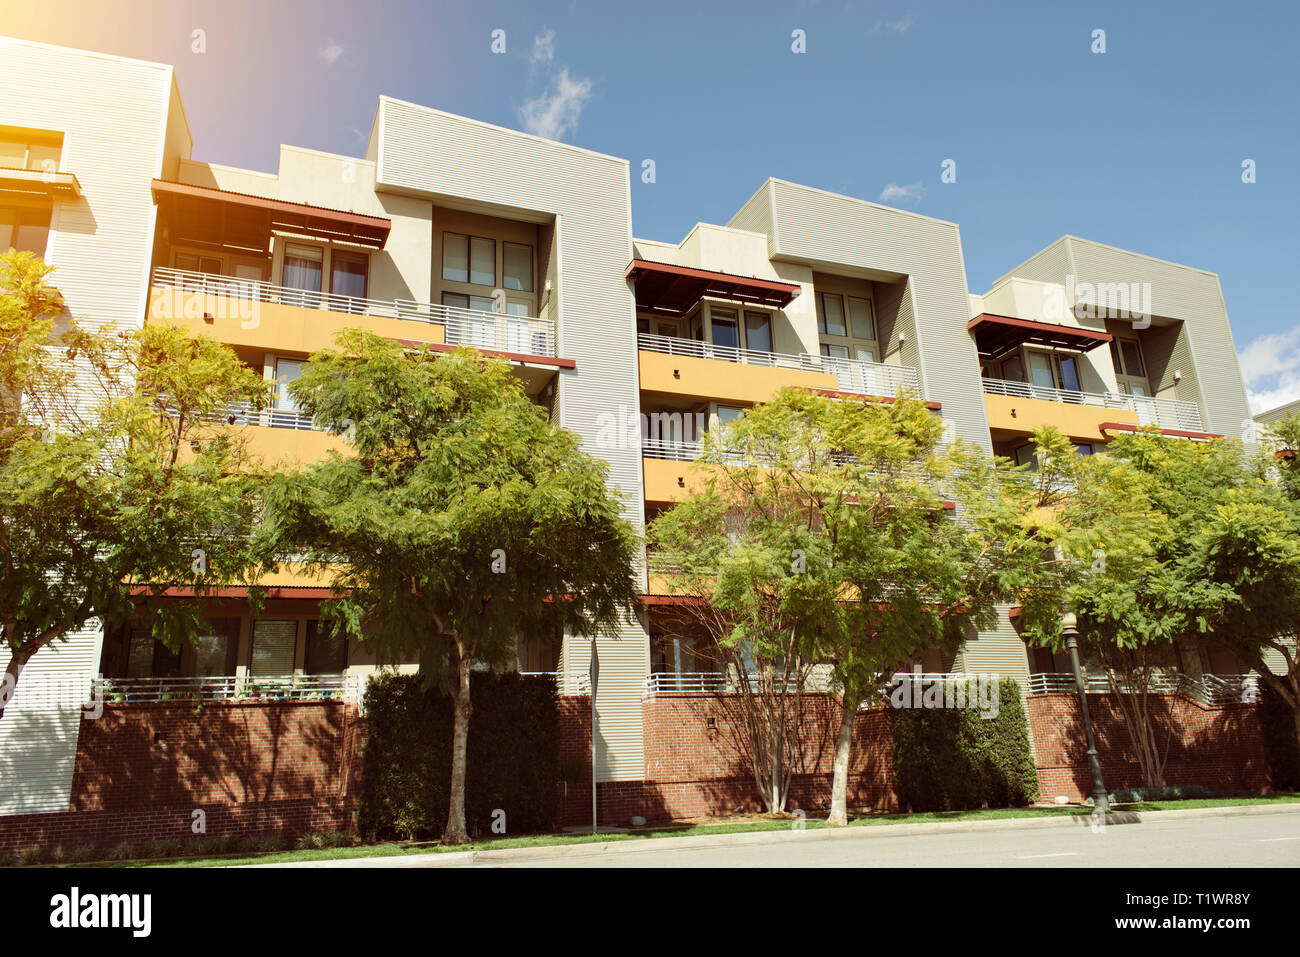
[
  {"x": 26, "y": 230},
  {"x": 273, "y": 647},
  {"x": 517, "y": 267},
  {"x": 326, "y": 653},
  {"x": 302, "y": 270},
  {"x": 830, "y": 314},
  {"x": 861, "y": 319},
  {"x": 470, "y": 259},
  {"x": 146, "y": 658},
  {"x": 726, "y": 330},
  {"x": 758, "y": 331},
  {"x": 348, "y": 274},
  {"x": 215, "y": 651}
]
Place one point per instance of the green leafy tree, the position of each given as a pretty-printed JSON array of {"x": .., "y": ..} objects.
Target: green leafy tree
[
  {"x": 1204, "y": 549},
  {"x": 118, "y": 480},
  {"x": 463, "y": 520},
  {"x": 824, "y": 534}
]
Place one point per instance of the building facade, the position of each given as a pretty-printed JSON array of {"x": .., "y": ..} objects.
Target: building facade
[{"x": 449, "y": 231}]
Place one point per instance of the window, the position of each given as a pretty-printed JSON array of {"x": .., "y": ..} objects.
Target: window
[
  {"x": 192, "y": 262},
  {"x": 286, "y": 415},
  {"x": 726, "y": 331},
  {"x": 348, "y": 273},
  {"x": 758, "y": 331},
  {"x": 1040, "y": 370},
  {"x": 862, "y": 321},
  {"x": 1083, "y": 448},
  {"x": 458, "y": 301},
  {"x": 471, "y": 259},
  {"x": 517, "y": 267},
  {"x": 1132, "y": 354},
  {"x": 38, "y": 150},
  {"x": 146, "y": 658},
  {"x": 26, "y": 230},
  {"x": 215, "y": 651},
  {"x": 1025, "y": 455},
  {"x": 302, "y": 270},
  {"x": 273, "y": 647},
  {"x": 830, "y": 314},
  {"x": 326, "y": 653},
  {"x": 728, "y": 414}
]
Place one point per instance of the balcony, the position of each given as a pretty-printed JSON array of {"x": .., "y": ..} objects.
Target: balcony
[
  {"x": 675, "y": 366},
  {"x": 261, "y": 315},
  {"x": 243, "y": 689},
  {"x": 1209, "y": 689},
  {"x": 1023, "y": 406}
]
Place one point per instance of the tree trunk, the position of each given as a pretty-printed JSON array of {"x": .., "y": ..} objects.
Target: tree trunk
[
  {"x": 17, "y": 662},
  {"x": 456, "y": 832},
  {"x": 840, "y": 770}
]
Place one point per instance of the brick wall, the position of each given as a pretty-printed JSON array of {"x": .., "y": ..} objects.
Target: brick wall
[
  {"x": 143, "y": 769},
  {"x": 695, "y": 768},
  {"x": 1215, "y": 747}
]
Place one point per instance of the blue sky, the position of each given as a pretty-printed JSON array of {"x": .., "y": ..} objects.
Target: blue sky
[{"x": 1141, "y": 146}]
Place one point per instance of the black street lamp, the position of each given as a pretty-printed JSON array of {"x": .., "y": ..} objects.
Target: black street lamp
[{"x": 1070, "y": 631}]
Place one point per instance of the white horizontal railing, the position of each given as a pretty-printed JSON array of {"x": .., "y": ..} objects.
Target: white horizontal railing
[
  {"x": 246, "y": 688},
  {"x": 1209, "y": 688},
  {"x": 852, "y": 375},
  {"x": 566, "y": 682},
  {"x": 816, "y": 682},
  {"x": 1166, "y": 413},
  {"x": 525, "y": 335}
]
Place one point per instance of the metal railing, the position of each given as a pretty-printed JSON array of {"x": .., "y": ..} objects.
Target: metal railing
[
  {"x": 1166, "y": 413},
  {"x": 817, "y": 681},
  {"x": 1209, "y": 689},
  {"x": 525, "y": 335},
  {"x": 852, "y": 375},
  {"x": 243, "y": 688},
  {"x": 566, "y": 682}
]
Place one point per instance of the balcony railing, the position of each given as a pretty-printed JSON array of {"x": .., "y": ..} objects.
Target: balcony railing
[
  {"x": 566, "y": 682},
  {"x": 484, "y": 330},
  {"x": 242, "y": 688},
  {"x": 852, "y": 375},
  {"x": 816, "y": 682},
  {"x": 1209, "y": 689},
  {"x": 1166, "y": 413}
]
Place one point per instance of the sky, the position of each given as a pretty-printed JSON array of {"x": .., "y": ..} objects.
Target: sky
[{"x": 1141, "y": 146}]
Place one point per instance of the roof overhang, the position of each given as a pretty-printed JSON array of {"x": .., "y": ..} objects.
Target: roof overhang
[
  {"x": 673, "y": 290},
  {"x": 218, "y": 217},
  {"x": 996, "y": 335},
  {"x": 39, "y": 183}
]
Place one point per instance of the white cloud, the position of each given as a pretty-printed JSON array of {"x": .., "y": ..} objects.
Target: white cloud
[
  {"x": 901, "y": 25},
  {"x": 893, "y": 193},
  {"x": 543, "y": 47},
  {"x": 1271, "y": 367},
  {"x": 555, "y": 113},
  {"x": 331, "y": 53}
]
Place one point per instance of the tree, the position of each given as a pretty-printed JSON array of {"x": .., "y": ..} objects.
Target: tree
[
  {"x": 118, "y": 480},
  {"x": 1209, "y": 553},
  {"x": 822, "y": 535},
  {"x": 463, "y": 520}
]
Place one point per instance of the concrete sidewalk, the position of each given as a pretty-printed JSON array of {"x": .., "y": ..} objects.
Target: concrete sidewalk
[{"x": 752, "y": 838}]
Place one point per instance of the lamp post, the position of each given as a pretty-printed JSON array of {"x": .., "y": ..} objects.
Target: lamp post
[{"x": 1070, "y": 631}]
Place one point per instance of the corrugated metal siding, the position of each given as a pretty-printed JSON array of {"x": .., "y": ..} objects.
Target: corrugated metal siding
[
  {"x": 1050, "y": 264},
  {"x": 435, "y": 153},
  {"x": 813, "y": 226},
  {"x": 113, "y": 114}
]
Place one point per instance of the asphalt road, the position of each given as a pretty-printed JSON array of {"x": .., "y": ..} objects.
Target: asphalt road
[{"x": 1266, "y": 840}]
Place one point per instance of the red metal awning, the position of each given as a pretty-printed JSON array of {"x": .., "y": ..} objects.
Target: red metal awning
[
  {"x": 219, "y": 217},
  {"x": 995, "y": 335},
  {"x": 673, "y": 290}
]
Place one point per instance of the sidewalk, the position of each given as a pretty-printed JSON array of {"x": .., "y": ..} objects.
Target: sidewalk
[{"x": 865, "y": 832}]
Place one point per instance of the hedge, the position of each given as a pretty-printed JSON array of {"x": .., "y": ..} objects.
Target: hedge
[
  {"x": 513, "y": 756},
  {"x": 951, "y": 759},
  {"x": 1277, "y": 725}
]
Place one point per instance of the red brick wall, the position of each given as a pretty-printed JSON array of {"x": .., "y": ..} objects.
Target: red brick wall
[
  {"x": 1219, "y": 747},
  {"x": 143, "y": 769},
  {"x": 692, "y": 769}
]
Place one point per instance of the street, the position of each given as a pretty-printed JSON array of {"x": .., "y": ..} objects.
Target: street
[{"x": 1268, "y": 840}]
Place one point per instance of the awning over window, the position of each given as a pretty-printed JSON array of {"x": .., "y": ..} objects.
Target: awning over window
[
  {"x": 996, "y": 335},
  {"x": 37, "y": 183},
  {"x": 673, "y": 290},
  {"x": 218, "y": 217}
]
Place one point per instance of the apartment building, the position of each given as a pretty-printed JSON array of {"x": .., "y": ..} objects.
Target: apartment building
[{"x": 449, "y": 231}]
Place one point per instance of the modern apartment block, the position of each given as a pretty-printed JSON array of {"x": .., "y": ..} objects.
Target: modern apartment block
[{"x": 449, "y": 231}]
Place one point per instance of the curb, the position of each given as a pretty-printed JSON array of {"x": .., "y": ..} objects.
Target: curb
[{"x": 749, "y": 838}]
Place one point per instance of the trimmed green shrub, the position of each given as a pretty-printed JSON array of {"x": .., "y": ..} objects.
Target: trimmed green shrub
[
  {"x": 952, "y": 759},
  {"x": 1278, "y": 730},
  {"x": 513, "y": 757}
]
